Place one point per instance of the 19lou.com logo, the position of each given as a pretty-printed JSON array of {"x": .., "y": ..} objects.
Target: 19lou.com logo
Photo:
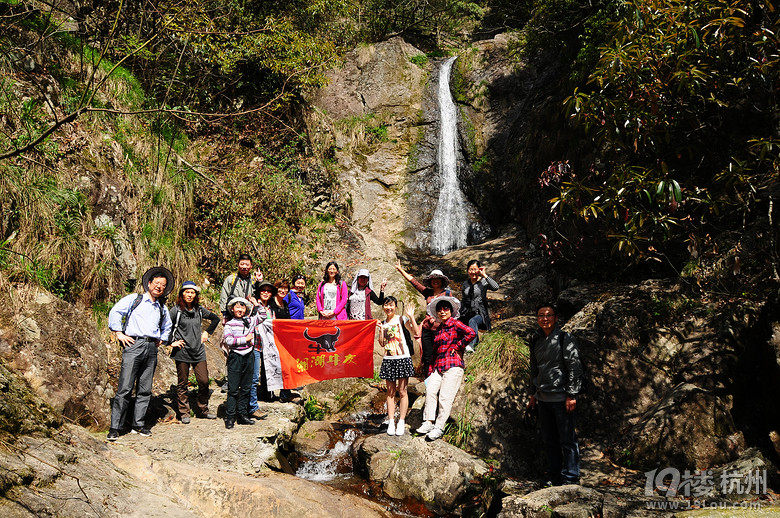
[{"x": 703, "y": 484}]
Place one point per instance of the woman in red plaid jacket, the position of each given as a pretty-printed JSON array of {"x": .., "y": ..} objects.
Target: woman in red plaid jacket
[{"x": 446, "y": 372}]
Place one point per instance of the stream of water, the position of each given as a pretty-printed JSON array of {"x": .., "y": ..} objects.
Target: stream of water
[
  {"x": 334, "y": 467},
  {"x": 449, "y": 226}
]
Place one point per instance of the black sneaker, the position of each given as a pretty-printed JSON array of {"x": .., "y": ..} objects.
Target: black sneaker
[
  {"x": 113, "y": 435},
  {"x": 143, "y": 432},
  {"x": 207, "y": 416}
]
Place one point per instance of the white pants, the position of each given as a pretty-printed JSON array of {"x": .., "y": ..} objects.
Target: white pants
[{"x": 441, "y": 389}]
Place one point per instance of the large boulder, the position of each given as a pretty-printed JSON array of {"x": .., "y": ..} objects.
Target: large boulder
[
  {"x": 435, "y": 472},
  {"x": 689, "y": 428},
  {"x": 59, "y": 351}
]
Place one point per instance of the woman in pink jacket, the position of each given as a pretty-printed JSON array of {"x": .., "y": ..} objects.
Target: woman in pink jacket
[{"x": 332, "y": 294}]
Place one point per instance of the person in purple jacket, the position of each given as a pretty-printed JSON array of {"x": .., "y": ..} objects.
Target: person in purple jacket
[{"x": 296, "y": 298}]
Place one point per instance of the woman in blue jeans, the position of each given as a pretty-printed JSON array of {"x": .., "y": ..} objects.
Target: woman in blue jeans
[{"x": 474, "y": 311}]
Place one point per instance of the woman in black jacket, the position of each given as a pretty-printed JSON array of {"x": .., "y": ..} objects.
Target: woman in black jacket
[
  {"x": 187, "y": 349},
  {"x": 474, "y": 311}
]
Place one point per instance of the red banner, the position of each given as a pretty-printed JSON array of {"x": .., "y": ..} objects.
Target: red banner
[{"x": 316, "y": 350}]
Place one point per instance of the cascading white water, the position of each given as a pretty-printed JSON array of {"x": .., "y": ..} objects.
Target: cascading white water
[
  {"x": 449, "y": 226},
  {"x": 323, "y": 467}
]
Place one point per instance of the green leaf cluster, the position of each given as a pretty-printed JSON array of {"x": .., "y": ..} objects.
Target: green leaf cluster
[{"x": 682, "y": 106}]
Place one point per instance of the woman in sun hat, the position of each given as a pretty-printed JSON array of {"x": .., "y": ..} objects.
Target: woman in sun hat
[
  {"x": 188, "y": 349},
  {"x": 362, "y": 294},
  {"x": 268, "y": 370},
  {"x": 446, "y": 372},
  {"x": 434, "y": 285}
]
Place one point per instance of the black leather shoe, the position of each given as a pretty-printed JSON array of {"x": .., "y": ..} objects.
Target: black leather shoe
[
  {"x": 242, "y": 419},
  {"x": 229, "y": 423}
]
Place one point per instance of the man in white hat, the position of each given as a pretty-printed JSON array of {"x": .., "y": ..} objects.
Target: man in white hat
[{"x": 141, "y": 323}]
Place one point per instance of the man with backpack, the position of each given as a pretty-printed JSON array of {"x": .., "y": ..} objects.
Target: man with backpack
[
  {"x": 239, "y": 284},
  {"x": 141, "y": 323},
  {"x": 556, "y": 379}
]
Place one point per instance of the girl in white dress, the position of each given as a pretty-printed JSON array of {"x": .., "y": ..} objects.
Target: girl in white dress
[{"x": 397, "y": 364}]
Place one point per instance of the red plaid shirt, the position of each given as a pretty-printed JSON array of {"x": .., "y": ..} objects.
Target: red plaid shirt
[{"x": 450, "y": 341}]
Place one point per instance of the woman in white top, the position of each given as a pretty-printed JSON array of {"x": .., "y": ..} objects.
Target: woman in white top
[
  {"x": 332, "y": 294},
  {"x": 397, "y": 364}
]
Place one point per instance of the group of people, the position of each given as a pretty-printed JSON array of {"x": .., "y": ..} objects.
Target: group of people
[{"x": 249, "y": 304}]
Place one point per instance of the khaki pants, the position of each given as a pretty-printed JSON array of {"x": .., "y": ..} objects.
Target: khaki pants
[{"x": 441, "y": 389}]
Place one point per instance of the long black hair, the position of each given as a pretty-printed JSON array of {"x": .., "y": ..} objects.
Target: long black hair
[{"x": 325, "y": 277}]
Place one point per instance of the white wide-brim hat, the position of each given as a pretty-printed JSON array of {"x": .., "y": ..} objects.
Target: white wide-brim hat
[{"x": 455, "y": 303}]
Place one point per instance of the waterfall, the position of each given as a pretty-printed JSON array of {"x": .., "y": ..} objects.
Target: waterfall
[{"x": 449, "y": 226}]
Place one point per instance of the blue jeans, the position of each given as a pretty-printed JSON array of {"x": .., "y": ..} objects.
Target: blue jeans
[
  {"x": 475, "y": 323},
  {"x": 138, "y": 364},
  {"x": 560, "y": 442},
  {"x": 253, "y": 406}
]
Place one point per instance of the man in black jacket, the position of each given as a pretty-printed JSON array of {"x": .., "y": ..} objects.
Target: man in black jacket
[{"x": 556, "y": 378}]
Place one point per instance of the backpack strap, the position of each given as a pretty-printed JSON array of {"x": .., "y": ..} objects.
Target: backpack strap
[
  {"x": 175, "y": 325},
  {"x": 134, "y": 305},
  {"x": 233, "y": 286}
]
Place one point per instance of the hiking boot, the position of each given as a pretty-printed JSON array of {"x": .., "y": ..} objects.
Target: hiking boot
[
  {"x": 185, "y": 419},
  {"x": 230, "y": 423},
  {"x": 400, "y": 427},
  {"x": 143, "y": 432},
  {"x": 113, "y": 434},
  {"x": 242, "y": 419},
  {"x": 434, "y": 434},
  {"x": 426, "y": 427},
  {"x": 258, "y": 414},
  {"x": 391, "y": 428}
]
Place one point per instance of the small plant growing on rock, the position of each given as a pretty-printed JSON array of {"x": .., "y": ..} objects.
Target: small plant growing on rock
[
  {"x": 420, "y": 60},
  {"x": 314, "y": 409}
]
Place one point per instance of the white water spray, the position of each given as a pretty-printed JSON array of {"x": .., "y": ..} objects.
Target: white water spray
[
  {"x": 323, "y": 467},
  {"x": 449, "y": 226}
]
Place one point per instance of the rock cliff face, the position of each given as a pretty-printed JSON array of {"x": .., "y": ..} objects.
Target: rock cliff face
[
  {"x": 377, "y": 124},
  {"x": 58, "y": 350}
]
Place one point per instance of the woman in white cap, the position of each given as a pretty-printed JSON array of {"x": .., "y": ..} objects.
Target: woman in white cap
[
  {"x": 434, "y": 285},
  {"x": 446, "y": 372},
  {"x": 362, "y": 294},
  {"x": 187, "y": 349}
]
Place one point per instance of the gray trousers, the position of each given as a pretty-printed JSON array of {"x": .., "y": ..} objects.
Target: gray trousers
[{"x": 138, "y": 364}]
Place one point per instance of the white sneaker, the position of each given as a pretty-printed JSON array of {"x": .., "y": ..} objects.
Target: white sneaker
[
  {"x": 469, "y": 349},
  {"x": 426, "y": 427},
  {"x": 391, "y": 428},
  {"x": 434, "y": 434},
  {"x": 401, "y": 428}
]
